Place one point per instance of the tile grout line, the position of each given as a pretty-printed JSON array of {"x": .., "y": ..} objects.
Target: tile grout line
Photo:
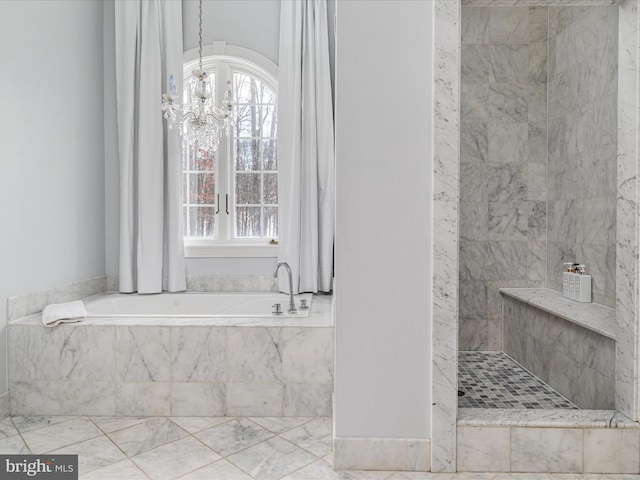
[{"x": 117, "y": 446}]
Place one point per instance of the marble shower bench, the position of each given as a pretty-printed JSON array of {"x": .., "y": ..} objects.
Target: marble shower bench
[{"x": 567, "y": 344}]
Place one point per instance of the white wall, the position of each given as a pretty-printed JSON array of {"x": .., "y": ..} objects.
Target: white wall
[
  {"x": 51, "y": 153},
  {"x": 252, "y": 24},
  {"x": 383, "y": 210}
]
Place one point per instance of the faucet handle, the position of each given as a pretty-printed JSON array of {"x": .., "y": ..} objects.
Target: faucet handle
[
  {"x": 303, "y": 304},
  {"x": 277, "y": 310}
]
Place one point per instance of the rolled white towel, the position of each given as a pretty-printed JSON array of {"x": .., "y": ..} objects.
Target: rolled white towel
[{"x": 58, "y": 313}]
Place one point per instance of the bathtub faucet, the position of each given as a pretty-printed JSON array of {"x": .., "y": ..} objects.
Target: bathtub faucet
[{"x": 292, "y": 304}]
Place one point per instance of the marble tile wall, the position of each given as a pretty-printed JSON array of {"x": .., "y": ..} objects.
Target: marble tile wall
[
  {"x": 5, "y": 405},
  {"x": 627, "y": 231},
  {"x": 22, "y": 305},
  {"x": 218, "y": 283},
  {"x": 503, "y": 159},
  {"x": 446, "y": 115},
  {"x": 170, "y": 370},
  {"x": 583, "y": 89},
  {"x": 578, "y": 363}
]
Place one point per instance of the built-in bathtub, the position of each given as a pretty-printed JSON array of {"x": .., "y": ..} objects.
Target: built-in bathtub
[
  {"x": 196, "y": 305},
  {"x": 138, "y": 355}
]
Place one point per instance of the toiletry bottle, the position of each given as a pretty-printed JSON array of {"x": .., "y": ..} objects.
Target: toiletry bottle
[
  {"x": 567, "y": 281},
  {"x": 582, "y": 285}
]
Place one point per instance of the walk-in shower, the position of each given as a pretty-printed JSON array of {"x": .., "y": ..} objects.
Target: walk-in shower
[{"x": 538, "y": 146}]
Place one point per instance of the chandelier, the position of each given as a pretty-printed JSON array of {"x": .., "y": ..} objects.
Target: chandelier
[{"x": 200, "y": 121}]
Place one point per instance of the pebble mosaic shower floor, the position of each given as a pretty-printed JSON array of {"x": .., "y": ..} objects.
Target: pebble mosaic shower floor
[{"x": 495, "y": 380}]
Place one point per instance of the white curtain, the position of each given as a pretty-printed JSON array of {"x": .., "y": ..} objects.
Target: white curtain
[
  {"x": 305, "y": 147},
  {"x": 148, "y": 50}
]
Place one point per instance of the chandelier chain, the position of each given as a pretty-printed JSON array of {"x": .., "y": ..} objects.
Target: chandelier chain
[
  {"x": 200, "y": 38},
  {"x": 201, "y": 122}
]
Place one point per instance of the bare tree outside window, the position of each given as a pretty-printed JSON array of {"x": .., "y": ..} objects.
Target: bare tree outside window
[
  {"x": 231, "y": 196},
  {"x": 256, "y": 179},
  {"x": 198, "y": 191}
]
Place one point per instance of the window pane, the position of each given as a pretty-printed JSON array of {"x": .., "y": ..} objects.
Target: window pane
[
  {"x": 248, "y": 89},
  {"x": 256, "y": 121},
  {"x": 248, "y": 222},
  {"x": 251, "y": 90},
  {"x": 203, "y": 160},
  {"x": 202, "y": 188},
  {"x": 248, "y": 188},
  {"x": 270, "y": 222},
  {"x": 268, "y": 114},
  {"x": 185, "y": 188},
  {"x": 269, "y": 154},
  {"x": 268, "y": 95},
  {"x": 270, "y": 188},
  {"x": 248, "y": 154},
  {"x": 199, "y": 221},
  {"x": 245, "y": 122}
]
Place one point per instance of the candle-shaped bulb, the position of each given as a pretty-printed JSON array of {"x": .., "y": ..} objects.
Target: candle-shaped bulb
[{"x": 172, "y": 85}]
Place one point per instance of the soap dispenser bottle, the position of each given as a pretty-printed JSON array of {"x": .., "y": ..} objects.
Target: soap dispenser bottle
[
  {"x": 568, "y": 281},
  {"x": 582, "y": 285}
]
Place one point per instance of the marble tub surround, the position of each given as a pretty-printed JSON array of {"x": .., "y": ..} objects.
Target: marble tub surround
[
  {"x": 218, "y": 283},
  {"x": 171, "y": 369},
  {"x": 24, "y": 305},
  {"x": 231, "y": 283},
  {"x": 577, "y": 362},
  {"x": 503, "y": 138},
  {"x": 582, "y": 190}
]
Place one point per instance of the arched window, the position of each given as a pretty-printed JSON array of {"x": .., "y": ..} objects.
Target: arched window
[{"x": 230, "y": 197}]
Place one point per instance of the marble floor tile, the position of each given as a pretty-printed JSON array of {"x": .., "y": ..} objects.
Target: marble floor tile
[
  {"x": 111, "y": 424},
  {"x": 271, "y": 459},
  {"x": 318, "y": 470},
  {"x": 25, "y": 424},
  {"x": 13, "y": 446},
  {"x": 315, "y": 437},
  {"x": 175, "y": 459},
  {"x": 124, "y": 469},
  {"x": 221, "y": 469},
  {"x": 233, "y": 436},
  {"x": 7, "y": 428},
  {"x": 147, "y": 436},
  {"x": 369, "y": 475},
  {"x": 58, "y": 435},
  {"x": 256, "y": 449},
  {"x": 442, "y": 476},
  {"x": 93, "y": 454},
  {"x": 280, "y": 424},
  {"x": 197, "y": 424}
]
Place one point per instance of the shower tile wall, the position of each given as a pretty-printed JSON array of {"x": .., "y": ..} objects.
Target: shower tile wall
[
  {"x": 503, "y": 163},
  {"x": 583, "y": 57}
]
